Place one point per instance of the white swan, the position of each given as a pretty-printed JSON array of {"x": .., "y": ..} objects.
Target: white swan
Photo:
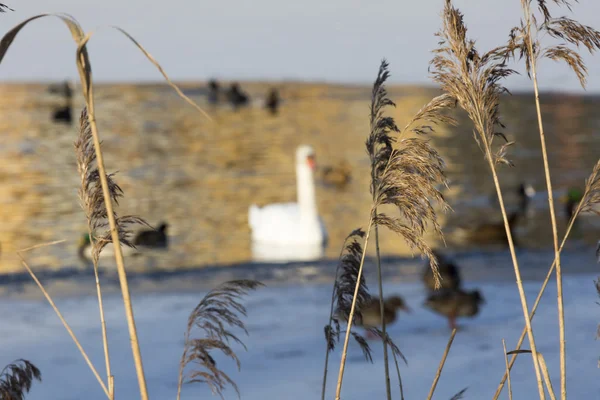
[{"x": 290, "y": 231}]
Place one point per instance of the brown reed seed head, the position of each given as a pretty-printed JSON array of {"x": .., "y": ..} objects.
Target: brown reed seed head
[
  {"x": 218, "y": 312},
  {"x": 472, "y": 79},
  {"x": 406, "y": 172},
  {"x": 344, "y": 287},
  {"x": 395, "y": 349},
  {"x": 459, "y": 395},
  {"x": 16, "y": 379},
  {"x": 591, "y": 194},
  {"x": 563, "y": 29},
  {"x": 348, "y": 276},
  {"x": 91, "y": 195}
]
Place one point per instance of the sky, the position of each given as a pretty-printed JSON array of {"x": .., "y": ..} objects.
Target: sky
[{"x": 340, "y": 41}]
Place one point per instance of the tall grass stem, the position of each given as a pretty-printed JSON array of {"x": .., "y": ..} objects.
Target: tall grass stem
[{"x": 338, "y": 389}]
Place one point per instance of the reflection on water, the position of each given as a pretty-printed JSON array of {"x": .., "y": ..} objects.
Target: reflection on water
[{"x": 201, "y": 177}]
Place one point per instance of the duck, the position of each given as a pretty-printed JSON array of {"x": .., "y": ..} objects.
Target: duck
[
  {"x": 370, "y": 314},
  {"x": 522, "y": 196},
  {"x": 455, "y": 303},
  {"x": 63, "y": 114},
  {"x": 63, "y": 89},
  {"x": 84, "y": 250},
  {"x": 290, "y": 231},
  {"x": 570, "y": 201},
  {"x": 236, "y": 96},
  {"x": 272, "y": 101},
  {"x": 494, "y": 232},
  {"x": 451, "y": 279},
  {"x": 213, "y": 91},
  {"x": 153, "y": 238},
  {"x": 338, "y": 176}
]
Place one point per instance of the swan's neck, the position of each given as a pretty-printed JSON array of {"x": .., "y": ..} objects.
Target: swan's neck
[{"x": 305, "y": 189}]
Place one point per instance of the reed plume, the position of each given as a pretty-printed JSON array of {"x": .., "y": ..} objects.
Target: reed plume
[
  {"x": 91, "y": 197},
  {"x": 401, "y": 177},
  {"x": 342, "y": 296},
  {"x": 349, "y": 278},
  {"x": 94, "y": 206},
  {"x": 344, "y": 287},
  {"x": 16, "y": 379},
  {"x": 218, "y": 312},
  {"x": 526, "y": 38},
  {"x": 591, "y": 194},
  {"x": 4, "y": 8},
  {"x": 406, "y": 172},
  {"x": 474, "y": 80},
  {"x": 459, "y": 395},
  {"x": 332, "y": 329},
  {"x": 404, "y": 175}
]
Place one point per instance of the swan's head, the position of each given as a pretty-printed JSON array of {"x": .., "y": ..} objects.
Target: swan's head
[{"x": 305, "y": 155}]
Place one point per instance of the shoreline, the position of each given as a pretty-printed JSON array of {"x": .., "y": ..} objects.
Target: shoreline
[{"x": 475, "y": 267}]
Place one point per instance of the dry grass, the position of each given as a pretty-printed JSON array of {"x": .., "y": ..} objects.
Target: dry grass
[
  {"x": 526, "y": 38},
  {"x": 217, "y": 312},
  {"x": 405, "y": 174},
  {"x": 589, "y": 200},
  {"x": 99, "y": 191},
  {"x": 16, "y": 379},
  {"x": 441, "y": 366},
  {"x": 474, "y": 80}
]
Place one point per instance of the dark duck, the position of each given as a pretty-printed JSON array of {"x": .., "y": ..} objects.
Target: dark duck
[
  {"x": 338, "y": 176},
  {"x": 237, "y": 97},
  {"x": 154, "y": 239},
  {"x": 63, "y": 114},
  {"x": 570, "y": 201},
  {"x": 454, "y": 304},
  {"x": 369, "y": 315},
  {"x": 450, "y": 300},
  {"x": 448, "y": 270},
  {"x": 272, "y": 101},
  {"x": 213, "y": 91},
  {"x": 487, "y": 233}
]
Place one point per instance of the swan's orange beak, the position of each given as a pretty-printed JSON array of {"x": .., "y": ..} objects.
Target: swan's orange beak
[{"x": 311, "y": 162}]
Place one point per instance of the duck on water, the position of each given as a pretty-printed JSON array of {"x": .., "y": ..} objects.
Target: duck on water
[{"x": 149, "y": 239}]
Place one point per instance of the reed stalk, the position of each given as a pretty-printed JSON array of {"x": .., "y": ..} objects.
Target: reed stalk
[
  {"x": 331, "y": 310},
  {"x": 399, "y": 376},
  {"x": 441, "y": 366},
  {"x": 473, "y": 80},
  {"x": 338, "y": 389},
  {"x": 66, "y": 325},
  {"x": 404, "y": 176},
  {"x": 519, "y": 282},
  {"x": 91, "y": 206},
  {"x": 546, "y": 376},
  {"x": 507, "y": 370},
  {"x": 559, "y": 287},
  {"x": 388, "y": 389},
  {"x": 109, "y": 376},
  {"x": 587, "y": 197}
]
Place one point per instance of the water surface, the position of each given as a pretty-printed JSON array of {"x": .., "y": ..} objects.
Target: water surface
[{"x": 176, "y": 166}]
